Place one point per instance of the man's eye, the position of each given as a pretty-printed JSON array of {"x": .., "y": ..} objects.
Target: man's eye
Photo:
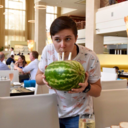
[
  {"x": 67, "y": 39},
  {"x": 57, "y": 40}
]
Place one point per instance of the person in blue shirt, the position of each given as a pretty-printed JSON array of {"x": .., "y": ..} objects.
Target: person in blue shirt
[
  {"x": 10, "y": 59},
  {"x": 2, "y": 65}
]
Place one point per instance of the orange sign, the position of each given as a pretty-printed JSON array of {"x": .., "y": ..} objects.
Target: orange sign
[
  {"x": 126, "y": 21},
  {"x": 30, "y": 44}
]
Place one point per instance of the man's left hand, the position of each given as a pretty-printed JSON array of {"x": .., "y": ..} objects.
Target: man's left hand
[{"x": 83, "y": 86}]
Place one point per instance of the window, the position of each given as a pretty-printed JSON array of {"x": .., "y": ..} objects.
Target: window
[
  {"x": 51, "y": 14},
  {"x": 15, "y": 12}
]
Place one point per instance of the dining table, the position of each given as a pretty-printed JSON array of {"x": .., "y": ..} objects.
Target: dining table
[
  {"x": 124, "y": 74},
  {"x": 19, "y": 90}
]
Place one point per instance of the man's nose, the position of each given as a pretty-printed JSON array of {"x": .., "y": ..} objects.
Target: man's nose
[{"x": 62, "y": 44}]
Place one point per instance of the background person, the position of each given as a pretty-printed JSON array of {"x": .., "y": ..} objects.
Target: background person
[
  {"x": 117, "y": 69},
  {"x": 2, "y": 65},
  {"x": 12, "y": 51},
  {"x": 21, "y": 62},
  {"x": 32, "y": 67},
  {"x": 10, "y": 59},
  {"x": 77, "y": 101}
]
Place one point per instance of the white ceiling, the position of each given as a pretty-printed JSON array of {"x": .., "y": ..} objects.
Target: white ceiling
[{"x": 72, "y": 4}]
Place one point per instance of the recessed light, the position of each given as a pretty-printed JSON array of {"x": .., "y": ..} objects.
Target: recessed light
[
  {"x": 40, "y": 6},
  {"x": 1, "y": 6},
  {"x": 31, "y": 21}
]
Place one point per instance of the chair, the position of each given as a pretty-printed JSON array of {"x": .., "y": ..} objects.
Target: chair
[
  {"x": 41, "y": 89},
  {"x": 5, "y": 88},
  {"x": 108, "y": 76},
  {"x": 115, "y": 84},
  {"x": 29, "y": 112},
  {"x": 111, "y": 107},
  {"x": 109, "y": 70},
  {"x": 7, "y": 72}
]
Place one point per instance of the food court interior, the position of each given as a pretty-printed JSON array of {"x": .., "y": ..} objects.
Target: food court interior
[{"x": 102, "y": 27}]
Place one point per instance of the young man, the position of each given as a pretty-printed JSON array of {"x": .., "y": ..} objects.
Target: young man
[
  {"x": 31, "y": 67},
  {"x": 12, "y": 51},
  {"x": 2, "y": 65}
]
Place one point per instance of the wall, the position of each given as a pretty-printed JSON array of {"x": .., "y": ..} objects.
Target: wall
[
  {"x": 111, "y": 18},
  {"x": 2, "y": 24},
  {"x": 107, "y": 60},
  {"x": 30, "y": 16}
]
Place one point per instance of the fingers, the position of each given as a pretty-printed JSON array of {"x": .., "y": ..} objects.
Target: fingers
[
  {"x": 45, "y": 82},
  {"x": 83, "y": 85},
  {"x": 76, "y": 90},
  {"x": 86, "y": 76}
]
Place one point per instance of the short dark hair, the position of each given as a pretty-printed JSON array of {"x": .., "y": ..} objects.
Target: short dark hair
[
  {"x": 35, "y": 54},
  {"x": 12, "y": 56},
  {"x": 61, "y": 23},
  {"x": 117, "y": 68},
  {"x": 12, "y": 48}
]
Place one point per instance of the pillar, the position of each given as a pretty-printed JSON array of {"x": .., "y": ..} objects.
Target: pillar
[
  {"x": 93, "y": 41},
  {"x": 40, "y": 27}
]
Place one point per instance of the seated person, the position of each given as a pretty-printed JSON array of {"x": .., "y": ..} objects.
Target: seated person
[
  {"x": 18, "y": 53},
  {"x": 2, "y": 65},
  {"x": 117, "y": 71},
  {"x": 10, "y": 59},
  {"x": 32, "y": 67},
  {"x": 21, "y": 62},
  {"x": 117, "y": 68}
]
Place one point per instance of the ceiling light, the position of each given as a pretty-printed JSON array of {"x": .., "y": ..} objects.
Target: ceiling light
[
  {"x": 40, "y": 7},
  {"x": 1, "y": 6},
  {"x": 31, "y": 21},
  {"x": 81, "y": 2}
]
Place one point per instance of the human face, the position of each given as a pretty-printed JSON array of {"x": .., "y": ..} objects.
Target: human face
[
  {"x": 64, "y": 42},
  {"x": 31, "y": 57},
  {"x": 20, "y": 60}
]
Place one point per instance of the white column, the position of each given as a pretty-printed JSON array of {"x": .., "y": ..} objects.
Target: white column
[
  {"x": 40, "y": 27},
  {"x": 93, "y": 41},
  {"x": 120, "y": 52}
]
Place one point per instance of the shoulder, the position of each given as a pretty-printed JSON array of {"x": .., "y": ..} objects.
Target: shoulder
[
  {"x": 34, "y": 62},
  {"x": 49, "y": 47},
  {"x": 88, "y": 53},
  {"x": 48, "y": 50}
]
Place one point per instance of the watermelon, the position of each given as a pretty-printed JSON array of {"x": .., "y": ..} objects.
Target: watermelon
[{"x": 65, "y": 75}]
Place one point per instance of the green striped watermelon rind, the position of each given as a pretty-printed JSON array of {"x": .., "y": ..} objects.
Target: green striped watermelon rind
[{"x": 65, "y": 79}]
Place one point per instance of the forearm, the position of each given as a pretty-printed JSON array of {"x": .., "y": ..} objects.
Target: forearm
[
  {"x": 19, "y": 69},
  {"x": 39, "y": 80},
  {"x": 95, "y": 89}
]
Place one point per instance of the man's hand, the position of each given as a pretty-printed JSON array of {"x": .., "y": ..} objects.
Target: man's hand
[
  {"x": 83, "y": 86},
  {"x": 44, "y": 80}
]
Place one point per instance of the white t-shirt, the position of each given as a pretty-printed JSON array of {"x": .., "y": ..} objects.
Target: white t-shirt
[
  {"x": 32, "y": 68},
  {"x": 70, "y": 105},
  {"x": 12, "y": 53}
]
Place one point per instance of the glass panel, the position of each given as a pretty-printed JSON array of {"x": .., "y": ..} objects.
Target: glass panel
[
  {"x": 51, "y": 9},
  {"x": 14, "y": 19},
  {"x": 8, "y": 39},
  {"x": 15, "y": 4},
  {"x": 49, "y": 19}
]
